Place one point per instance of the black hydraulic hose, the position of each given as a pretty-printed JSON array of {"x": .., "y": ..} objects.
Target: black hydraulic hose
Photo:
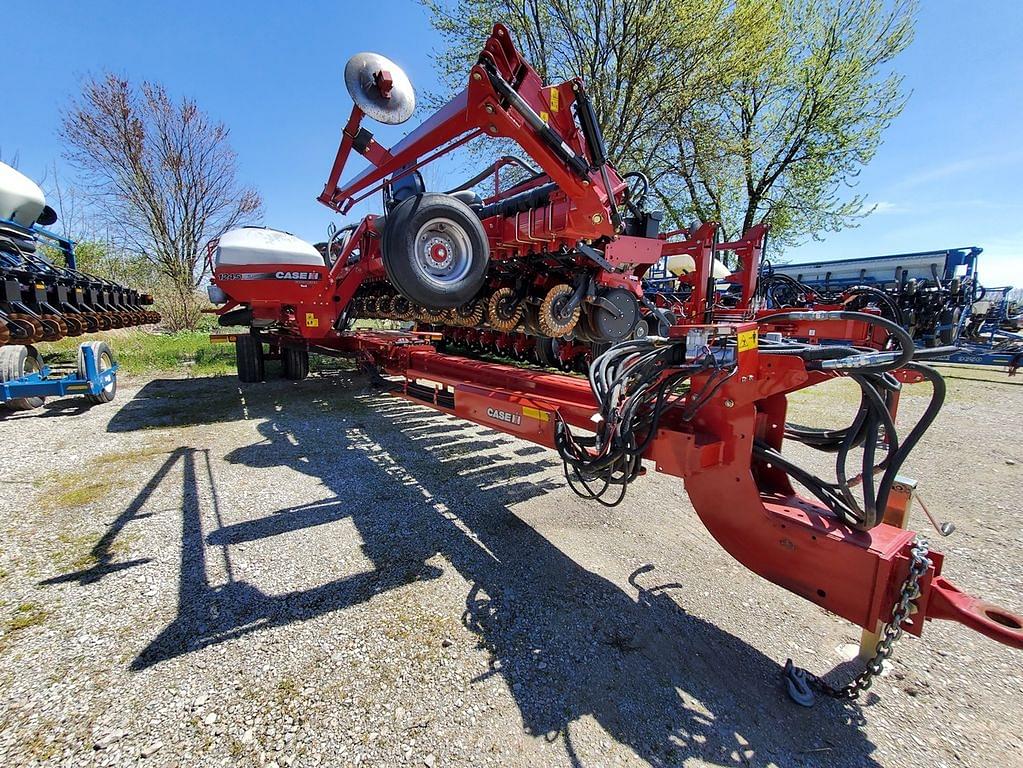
[
  {"x": 523, "y": 201},
  {"x": 881, "y": 296},
  {"x": 863, "y": 362},
  {"x": 930, "y": 414},
  {"x": 546, "y": 133}
]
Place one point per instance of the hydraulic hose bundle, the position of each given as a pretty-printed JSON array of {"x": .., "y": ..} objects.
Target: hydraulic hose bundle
[
  {"x": 634, "y": 383},
  {"x": 873, "y": 429}
]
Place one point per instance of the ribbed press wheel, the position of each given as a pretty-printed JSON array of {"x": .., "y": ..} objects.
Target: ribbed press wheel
[
  {"x": 433, "y": 316},
  {"x": 471, "y": 314},
  {"x": 503, "y": 312},
  {"x": 552, "y": 319},
  {"x": 402, "y": 308}
]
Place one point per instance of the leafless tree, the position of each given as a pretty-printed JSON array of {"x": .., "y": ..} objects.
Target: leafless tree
[{"x": 163, "y": 172}]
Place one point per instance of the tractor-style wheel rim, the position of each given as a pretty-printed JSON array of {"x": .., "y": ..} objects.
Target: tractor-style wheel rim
[{"x": 442, "y": 252}]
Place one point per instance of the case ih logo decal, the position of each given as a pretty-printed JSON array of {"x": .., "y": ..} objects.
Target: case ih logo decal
[
  {"x": 303, "y": 277},
  {"x": 507, "y": 418}
]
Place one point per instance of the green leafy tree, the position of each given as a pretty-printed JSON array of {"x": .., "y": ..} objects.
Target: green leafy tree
[
  {"x": 643, "y": 61},
  {"x": 740, "y": 112},
  {"x": 810, "y": 93}
]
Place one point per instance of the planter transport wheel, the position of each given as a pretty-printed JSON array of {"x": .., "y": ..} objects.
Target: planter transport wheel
[
  {"x": 295, "y": 362},
  {"x": 435, "y": 251}
]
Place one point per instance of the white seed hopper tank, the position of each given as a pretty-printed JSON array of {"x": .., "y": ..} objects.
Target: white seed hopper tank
[
  {"x": 21, "y": 199},
  {"x": 262, "y": 245}
]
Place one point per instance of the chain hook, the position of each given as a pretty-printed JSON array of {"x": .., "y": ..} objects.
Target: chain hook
[{"x": 801, "y": 683}]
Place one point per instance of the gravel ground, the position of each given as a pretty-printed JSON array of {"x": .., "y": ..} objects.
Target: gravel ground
[{"x": 289, "y": 574}]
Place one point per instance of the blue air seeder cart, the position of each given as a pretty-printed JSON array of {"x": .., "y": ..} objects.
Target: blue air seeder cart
[{"x": 25, "y": 381}]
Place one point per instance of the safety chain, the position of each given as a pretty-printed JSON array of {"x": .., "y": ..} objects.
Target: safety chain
[{"x": 801, "y": 681}]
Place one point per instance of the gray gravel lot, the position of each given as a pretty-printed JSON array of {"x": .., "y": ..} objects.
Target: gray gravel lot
[{"x": 285, "y": 574}]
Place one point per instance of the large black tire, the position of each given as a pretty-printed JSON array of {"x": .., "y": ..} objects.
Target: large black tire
[
  {"x": 435, "y": 251},
  {"x": 16, "y": 361},
  {"x": 295, "y": 363},
  {"x": 105, "y": 359},
  {"x": 248, "y": 352}
]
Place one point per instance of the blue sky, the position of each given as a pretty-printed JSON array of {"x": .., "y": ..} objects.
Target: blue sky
[{"x": 947, "y": 175}]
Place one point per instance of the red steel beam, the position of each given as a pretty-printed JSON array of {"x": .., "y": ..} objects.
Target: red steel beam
[{"x": 752, "y": 511}]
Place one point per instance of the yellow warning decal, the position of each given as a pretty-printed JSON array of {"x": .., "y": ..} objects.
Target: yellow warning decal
[
  {"x": 535, "y": 413},
  {"x": 747, "y": 340},
  {"x": 545, "y": 117},
  {"x": 554, "y": 99},
  {"x": 311, "y": 321}
]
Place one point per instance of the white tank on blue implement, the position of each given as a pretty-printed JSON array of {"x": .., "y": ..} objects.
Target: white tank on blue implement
[
  {"x": 21, "y": 199},
  {"x": 262, "y": 245}
]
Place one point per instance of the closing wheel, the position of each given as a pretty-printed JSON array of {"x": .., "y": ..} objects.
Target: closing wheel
[
  {"x": 553, "y": 320},
  {"x": 248, "y": 352},
  {"x": 55, "y": 327},
  {"x": 295, "y": 362},
  {"x": 435, "y": 251},
  {"x": 75, "y": 325},
  {"x": 105, "y": 360},
  {"x": 471, "y": 314},
  {"x": 17, "y": 361},
  {"x": 503, "y": 312}
]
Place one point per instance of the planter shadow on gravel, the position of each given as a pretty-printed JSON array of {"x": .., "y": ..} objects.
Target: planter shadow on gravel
[{"x": 658, "y": 679}]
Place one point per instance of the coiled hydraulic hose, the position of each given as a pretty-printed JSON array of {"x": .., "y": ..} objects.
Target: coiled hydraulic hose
[{"x": 872, "y": 427}]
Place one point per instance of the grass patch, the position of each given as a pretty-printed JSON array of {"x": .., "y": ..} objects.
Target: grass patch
[
  {"x": 122, "y": 458},
  {"x": 287, "y": 688},
  {"x": 142, "y": 351},
  {"x": 26, "y": 615},
  {"x": 84, "y": 492},
  {"x": 79, "y": 551},
  {"x": 69, "y": 490}
]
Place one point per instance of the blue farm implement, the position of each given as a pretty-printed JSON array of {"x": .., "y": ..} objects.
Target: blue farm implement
[
  {"x": 26, "y": 381},
  {"x": 935, "y": 295},
  {"x": 42, "y": 300}
]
